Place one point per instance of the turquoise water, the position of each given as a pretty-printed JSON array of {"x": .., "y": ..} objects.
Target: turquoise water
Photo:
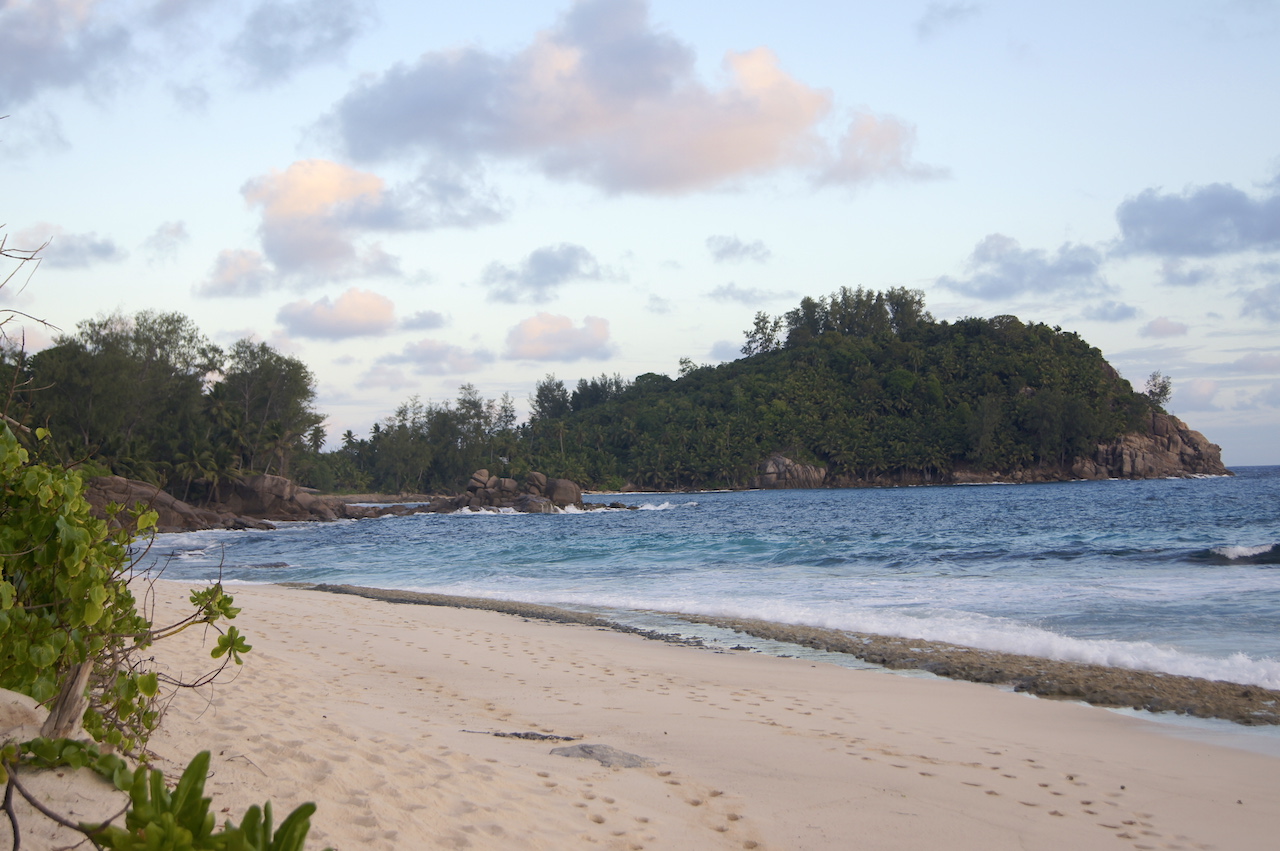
[{"x": 1174, "y": 575}]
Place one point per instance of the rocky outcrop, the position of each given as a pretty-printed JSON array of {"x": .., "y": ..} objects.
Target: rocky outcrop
[
  {"x": 274, "y": 498},
  {"x": 778, "y": 471},
  {"x": 174, "y": 514},
  {"x": 254, "y": 502},
  {"x": 538, "y": 495},
  {"x": 1170, "y": 449}
]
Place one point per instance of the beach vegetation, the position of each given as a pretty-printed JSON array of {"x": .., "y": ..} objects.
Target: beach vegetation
[
  {"x": 157, "y": 818},
  {"x": 66, "y": 601}
]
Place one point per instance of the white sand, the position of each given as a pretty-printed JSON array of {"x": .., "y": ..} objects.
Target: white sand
[{"x": 364, "y": 707}]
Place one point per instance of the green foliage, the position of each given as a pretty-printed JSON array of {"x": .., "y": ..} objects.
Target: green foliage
[
  {"x": 865, "y": 383},
  {"x": 160, "y": 819},
  {"x": 149, "y": 397},
  {"x": 1158, "y": 389},
  {"x": 65, "y": 600},
  {"x": 57, "y": 753},
  {"x": 64, "y": 597}
]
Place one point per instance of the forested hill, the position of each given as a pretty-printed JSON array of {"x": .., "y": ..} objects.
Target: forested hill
[
  {"x": 865, "y": 386},
  {"x": 856, "y": 388}
]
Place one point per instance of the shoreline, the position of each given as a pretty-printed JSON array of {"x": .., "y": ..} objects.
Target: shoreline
[
  {"x": 384, "y": 716},
  {"x": 1097, "y": 685}
]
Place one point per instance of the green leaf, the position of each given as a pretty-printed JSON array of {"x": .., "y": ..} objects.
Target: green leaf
[{"x": 232, "y": 644}]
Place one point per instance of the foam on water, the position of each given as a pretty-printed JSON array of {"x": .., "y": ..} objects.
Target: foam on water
[{"x": 1159, "y": 575}]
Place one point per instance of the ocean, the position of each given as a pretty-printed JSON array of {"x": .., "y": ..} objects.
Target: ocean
[{"x": 1174, "y": 575}]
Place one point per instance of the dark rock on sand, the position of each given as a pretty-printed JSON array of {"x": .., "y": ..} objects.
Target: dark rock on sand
[{"x": 606, "y": 755}]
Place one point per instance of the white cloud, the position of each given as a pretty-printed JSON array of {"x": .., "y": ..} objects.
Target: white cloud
[
  {"x": 730, "y": 249},
  {"x": 1001, "y": 268},
  {"x": 1257, "y": 363},
  {"x": 541, "y": 273},
  {"x": 432, "y": 357},
  {"x": 749, "y": 296},
  {"x": 316, "y": 216},
  {"x": 657, "y": 304},
  {"x": 1176, "y": 273},
  {"x": 876, "y": 146},
  {"x": 1163, "y": 326},
  {"x": 164, "y": 243},
  {"x": 56, "y": 44},
  {"x": 605, "y": 98},
  {"x": 1195, "y": 395},
  {"x": 389, "y": 377},
  {"x": 69, "y": 250},
  {"x": 1263, "y": 301},
  {"x": 547, "y": 337},
  {"x": 355, "y": 313},
  {"x": 1203, "y": 222},
  {"x": 425, "y": 320},
  {"x": 1110, "y": 311},
  {"x": 237, "y": 273},
  {"x": 278, "y": 38}
]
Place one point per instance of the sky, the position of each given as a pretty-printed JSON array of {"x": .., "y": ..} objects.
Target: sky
[{"x": 410, "y": 195}]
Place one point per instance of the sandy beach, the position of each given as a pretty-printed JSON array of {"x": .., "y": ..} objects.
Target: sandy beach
[{"x": 382, "y": 714}]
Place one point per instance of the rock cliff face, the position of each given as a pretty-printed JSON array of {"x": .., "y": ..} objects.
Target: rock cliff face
[
  {"x": 174, "y": 514},
  {"x": 778, "y": 471},
  {"x": 1171, "y": 449}
]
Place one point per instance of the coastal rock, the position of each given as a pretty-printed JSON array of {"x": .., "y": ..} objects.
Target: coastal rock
[
  {"x": 778, "y": 471},
  {"x": 273, "y": 498},
  {"x": 1169, "y": 449},
  {"x": 528, "y": 503},
  {"x": 174, "y": 514},
  {"x": 563, "y": 492}
]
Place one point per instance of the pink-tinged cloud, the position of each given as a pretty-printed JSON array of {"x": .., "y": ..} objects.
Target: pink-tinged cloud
[
  {"x": 606, "y": 98},
  {"x": 432, "y": 357},
  {"x": 237, "y": 273},
  {"x": 317, "y": 218},
  {"x": 548, "y": 337},
  {"x": 355, "y": 313},
  {"x": 1195, "y": 395},
  {"x": 1257, "y": 362},
  {"x": 313, "y": 212},
  {"x": 1163, "y": 326},
  {"x": 876, "y": 146}
]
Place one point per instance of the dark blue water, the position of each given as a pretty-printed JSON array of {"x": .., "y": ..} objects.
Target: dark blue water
[{"x": 1177, "y": 575}]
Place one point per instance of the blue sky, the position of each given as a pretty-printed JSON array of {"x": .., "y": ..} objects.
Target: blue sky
[{"x": 413, "y": 195}]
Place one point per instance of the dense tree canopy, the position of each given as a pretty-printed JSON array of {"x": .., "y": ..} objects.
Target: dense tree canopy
[
  {"x": 867, "y": 384},
  {"x": 150, "y": 397}
]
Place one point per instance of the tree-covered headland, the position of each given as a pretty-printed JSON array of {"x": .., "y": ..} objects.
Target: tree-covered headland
[{"x": 865, "y": 384}]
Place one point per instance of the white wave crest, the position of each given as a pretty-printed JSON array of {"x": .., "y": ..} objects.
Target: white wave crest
[{"x": 1235, "y": 552}]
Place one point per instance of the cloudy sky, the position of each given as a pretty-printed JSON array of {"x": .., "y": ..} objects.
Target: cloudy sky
[{"x": 410, "y": 194}]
